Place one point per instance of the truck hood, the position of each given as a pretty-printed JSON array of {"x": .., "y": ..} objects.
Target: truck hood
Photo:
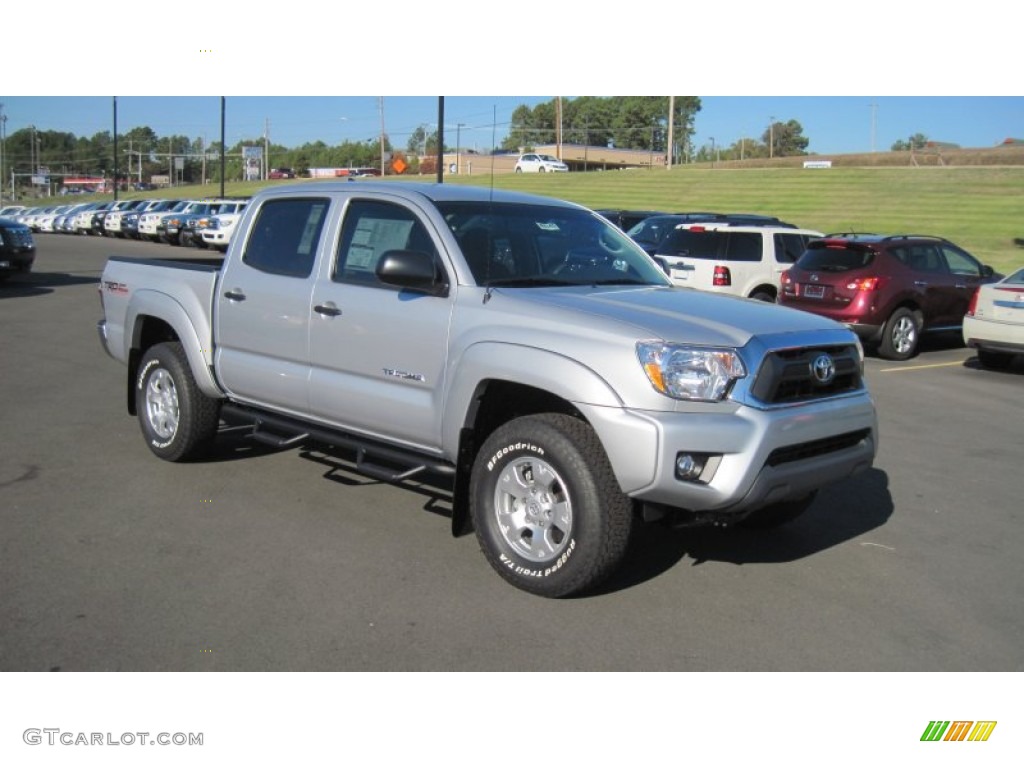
[{"x": 671, "y": 314}]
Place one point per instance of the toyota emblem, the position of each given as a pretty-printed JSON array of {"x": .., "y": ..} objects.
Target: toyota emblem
[{"x": 823, "y": 368}]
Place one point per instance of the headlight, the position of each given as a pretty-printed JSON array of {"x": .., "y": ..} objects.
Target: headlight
[{"x": 690, "y": 373}]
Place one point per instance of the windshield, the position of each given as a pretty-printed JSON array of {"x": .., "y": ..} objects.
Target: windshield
[
  {"x": 652, "y": 230},
  {"x": 523, "y": 245}
]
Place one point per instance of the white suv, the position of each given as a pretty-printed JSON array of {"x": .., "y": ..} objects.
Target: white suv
[
  {"x": 739, "y": 260},
  {"x": 534, "y": 163}
]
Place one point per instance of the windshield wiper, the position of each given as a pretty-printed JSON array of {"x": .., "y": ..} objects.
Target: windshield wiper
[
  {"x": 622, "y": 281},
  {"x": 526, "y": 282}
]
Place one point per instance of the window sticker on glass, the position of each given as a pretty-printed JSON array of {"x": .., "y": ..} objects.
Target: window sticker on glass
[
  {"x": 316, "y": 213},
  {"x": 373, "y": 237}
]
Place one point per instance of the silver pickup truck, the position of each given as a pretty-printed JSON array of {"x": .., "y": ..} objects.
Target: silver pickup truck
[{"x": 522, "y": 346}]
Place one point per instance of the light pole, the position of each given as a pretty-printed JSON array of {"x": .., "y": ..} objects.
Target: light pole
[
  {"x": 458, "y": 148},
  {"x": 712, "y": 151},
  {"x": 3, "y": 149}
]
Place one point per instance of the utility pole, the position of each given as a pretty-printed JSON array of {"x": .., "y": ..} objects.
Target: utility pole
[
  {"x": 3, "y": 150},
  {"x": 115, "y": 149},
  {"x": 670, "y": 144},
  {"x": 440, "y": 139},
  {"x": 874, "y": 110},
  {"x": 558, "y": 136},
  {"x": 381, "y": 103},
  {"x": 223, "y": 149},
  {"x": 266, "y": 149},
  {"x": 458, "y": 148}
]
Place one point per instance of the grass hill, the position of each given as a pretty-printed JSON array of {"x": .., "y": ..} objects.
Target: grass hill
[{"x": 974, "y": 197}]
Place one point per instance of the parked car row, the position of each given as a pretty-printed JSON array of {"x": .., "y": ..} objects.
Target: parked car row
[
  {"x": 177, "y": 222},
  {"x": 889, "y": 289}
]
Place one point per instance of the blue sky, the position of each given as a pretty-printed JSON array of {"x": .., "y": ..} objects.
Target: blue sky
[{"x": 834, "y": 124}]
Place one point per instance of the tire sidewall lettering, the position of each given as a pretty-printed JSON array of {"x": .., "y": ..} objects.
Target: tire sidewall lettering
[
  {"x": 144, "y": 373},
  {"x": 538, "y": 570},
  {"x": 512, "y": 447}
]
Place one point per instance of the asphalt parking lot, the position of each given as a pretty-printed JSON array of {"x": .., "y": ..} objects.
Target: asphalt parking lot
[{"x": 260, "y": 560}]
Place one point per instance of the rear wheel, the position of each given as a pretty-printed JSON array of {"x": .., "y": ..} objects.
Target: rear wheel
[
  {"x": 178, "y": 421},
  {"x": 763, "y": 294},
  {"x": 900, "y": 335},
  {"x": 548, "y": 512}
]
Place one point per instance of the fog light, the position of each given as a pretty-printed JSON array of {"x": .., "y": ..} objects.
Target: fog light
[{"x": 689, "y": 466}]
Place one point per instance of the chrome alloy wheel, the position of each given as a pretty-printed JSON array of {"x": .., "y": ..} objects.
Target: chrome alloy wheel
[
  {"x": 533, "y": 509},
  {"x": 904, "y": 335},
  {"x": 162, "y": 403}
]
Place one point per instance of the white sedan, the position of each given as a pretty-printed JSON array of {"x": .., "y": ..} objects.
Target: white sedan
[
  {"x": 534, "y": 163},
  {"x": 994, "y": 324}
]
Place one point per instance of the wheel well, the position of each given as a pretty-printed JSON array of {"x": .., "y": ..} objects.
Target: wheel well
[
  {"x": 149, "y": 331},
  {"x": 499, "y": 401},
  {"x": 771, "y": 290},
  {"x": 495, "y": 403}
]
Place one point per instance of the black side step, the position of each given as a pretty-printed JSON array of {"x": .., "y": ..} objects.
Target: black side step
[
  {"x": 260, "y": 434},
  {"x": 282, "y": 432}
]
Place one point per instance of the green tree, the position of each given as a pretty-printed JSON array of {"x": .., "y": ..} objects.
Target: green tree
[
  {"x": 917, "y": 141},
  {"x": 785, "y": 139},
  {"x": 628, "y": 122}
]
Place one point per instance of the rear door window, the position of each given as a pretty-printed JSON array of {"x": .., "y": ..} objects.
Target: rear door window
[
  {"x": 285, "y": 236},
  {"x": 743, "y": 246}
]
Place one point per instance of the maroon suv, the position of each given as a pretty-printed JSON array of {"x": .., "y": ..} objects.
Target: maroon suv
[{"x": 889, "y": 290}]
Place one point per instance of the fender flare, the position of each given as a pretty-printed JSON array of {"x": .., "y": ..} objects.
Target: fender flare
[
  {"x": 549, "y": 371},
  {"x": 195, "y": 342}
]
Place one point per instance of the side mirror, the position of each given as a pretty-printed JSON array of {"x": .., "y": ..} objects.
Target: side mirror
[
  {"x": 414, "y": 270},
  {"x": 987, "y": 271}
]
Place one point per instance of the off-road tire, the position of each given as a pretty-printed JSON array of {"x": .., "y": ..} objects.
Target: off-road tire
[
  {"x": 178, "y": 421},
  {"x": 547, "y": 510}
]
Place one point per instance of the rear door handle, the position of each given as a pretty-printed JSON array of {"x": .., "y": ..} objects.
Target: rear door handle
[
  {"x": 921, "y": 283},
  {"x": 330, "y": 309},
  {"x": 234, "y": 295}
]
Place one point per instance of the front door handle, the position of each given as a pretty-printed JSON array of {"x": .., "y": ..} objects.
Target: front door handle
[
  {"x": 234, "y": 295},
  {"x": 330, "y": 309}
]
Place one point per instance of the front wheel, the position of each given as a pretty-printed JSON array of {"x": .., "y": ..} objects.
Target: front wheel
[
  {"x": 178, "y": 421},
  {"x": 547, "y": 510}
]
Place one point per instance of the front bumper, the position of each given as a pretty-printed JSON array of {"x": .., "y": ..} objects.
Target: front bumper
[
  {"x": 16, "y": 260},
  {"x": 758, "y": 457}
]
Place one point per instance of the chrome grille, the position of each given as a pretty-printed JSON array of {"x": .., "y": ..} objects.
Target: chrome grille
[{"x": 787, "y": 376}]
